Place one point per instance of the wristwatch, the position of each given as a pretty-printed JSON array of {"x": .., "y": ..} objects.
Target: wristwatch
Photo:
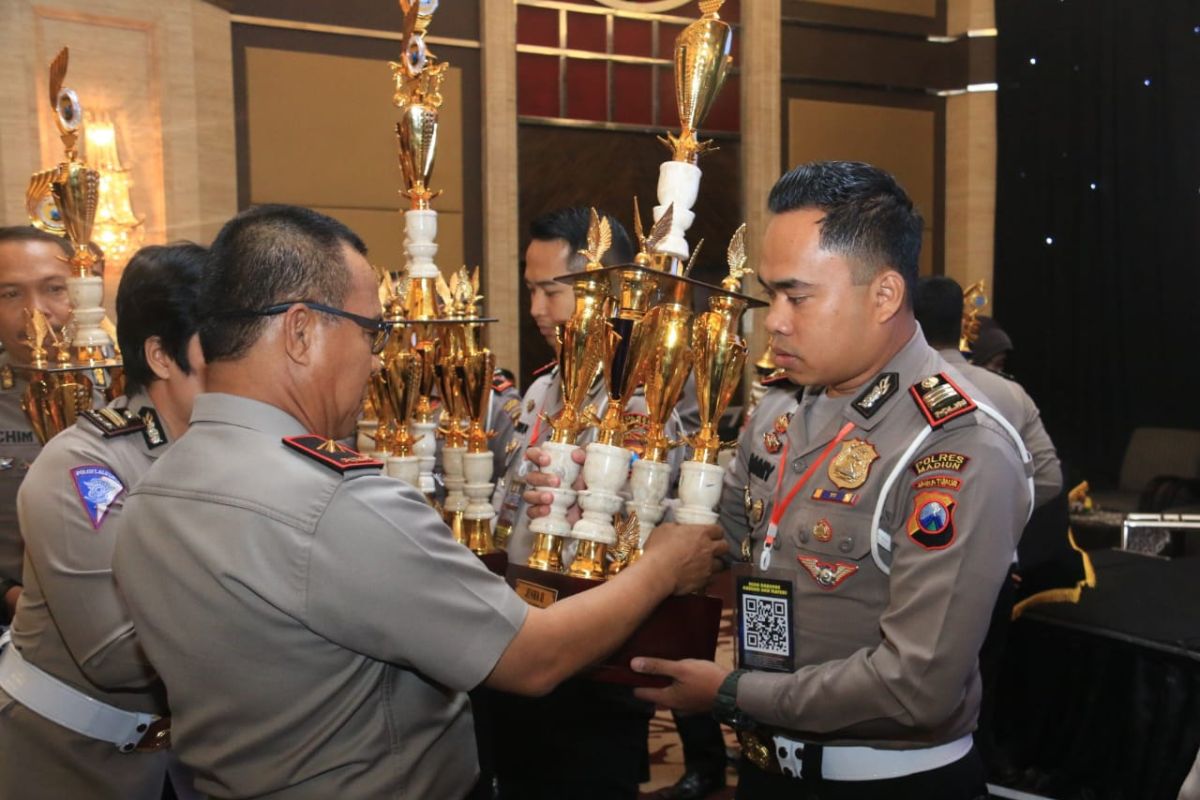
[{"x": 725, "y": 706}]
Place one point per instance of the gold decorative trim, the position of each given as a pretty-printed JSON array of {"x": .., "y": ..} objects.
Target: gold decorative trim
[{"x": 343, "y": 30}]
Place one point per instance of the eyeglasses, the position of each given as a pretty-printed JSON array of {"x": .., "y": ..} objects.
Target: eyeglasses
[{"x": 380, "y": 331}]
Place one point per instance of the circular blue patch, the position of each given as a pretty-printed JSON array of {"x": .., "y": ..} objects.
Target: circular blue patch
[{"x": 933, "y": 517}]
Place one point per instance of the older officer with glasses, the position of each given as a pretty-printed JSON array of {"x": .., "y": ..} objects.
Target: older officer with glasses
[{"x": 314, "y": 622}]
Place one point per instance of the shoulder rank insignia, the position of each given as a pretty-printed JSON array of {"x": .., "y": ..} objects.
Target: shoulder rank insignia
[
  {"x": 876, "y": 395},
  {"x": 512, "y": 407},
  {"x": 850, "y": 468},
  {"x": 931, "y": 524},
  {"x": 827, "y": 575},
  {"x": 98, "y": 487},
  {"x": 152, "y": 431},
  {"x": 114, "y": 421},
  {"x": 329, "y": 453},
  {"x": 940, "y": 399},
  {"x": 776, "y": 378},
  {"x": 545, "y": 368}
]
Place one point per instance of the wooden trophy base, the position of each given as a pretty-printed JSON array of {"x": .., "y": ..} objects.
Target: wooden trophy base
[
  {"x": 680, "y": 627},
  {"x": 496, "y": 562}
]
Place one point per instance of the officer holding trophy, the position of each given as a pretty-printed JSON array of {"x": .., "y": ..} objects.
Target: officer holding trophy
[
  {"x": 81, "y": 707},
  {"x": 33, "y": 277},
  {"x": 876, "y": 513}
]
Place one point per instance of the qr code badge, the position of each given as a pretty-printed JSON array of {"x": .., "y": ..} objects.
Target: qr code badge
[{"x": 765, "y": 624}]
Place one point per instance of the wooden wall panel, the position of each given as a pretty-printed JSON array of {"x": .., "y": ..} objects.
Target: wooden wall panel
[
  {"x": 921, "y": 8},
  {"x": 321, "y": 133},
  {"x": 900, "y": 140}
]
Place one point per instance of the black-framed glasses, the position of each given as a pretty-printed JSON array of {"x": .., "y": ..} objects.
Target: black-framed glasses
[{"x": 380, "y": 331}]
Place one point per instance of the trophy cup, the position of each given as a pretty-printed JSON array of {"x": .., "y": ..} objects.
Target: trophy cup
[
  {"x": 974, "y": 300},
  {"x": 454, "y": 442},
  {"x": 403, "y": 370},
  {"x": 475, "y": 376},
  {"x": 719, "y": 354},
  {"x": 580, "y": 351},
  {"x": 702, "y": 61},
  {"x": 55, "y": 395}
]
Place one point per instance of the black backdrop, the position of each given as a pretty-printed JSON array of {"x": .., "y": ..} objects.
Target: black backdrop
[{"x": 1097, "y": 276}]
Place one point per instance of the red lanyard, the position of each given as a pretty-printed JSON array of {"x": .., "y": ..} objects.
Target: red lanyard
[{"x": 778, "y": 508}]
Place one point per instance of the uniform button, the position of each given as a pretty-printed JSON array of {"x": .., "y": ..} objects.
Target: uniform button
[
  {"x": 783, "y": 752},
  {"x": 797, "y": 465},
  {"x": 846, "y": 544},
  {"x": 804, "y": 537}
]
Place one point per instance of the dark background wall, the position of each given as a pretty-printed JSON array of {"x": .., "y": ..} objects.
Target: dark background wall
[{"x": 1098, "y": 216}]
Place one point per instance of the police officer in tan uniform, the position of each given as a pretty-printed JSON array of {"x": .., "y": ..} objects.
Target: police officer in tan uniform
[
  {"x": 313, "y": 621},
  {"x": 74, "y": 684},
  {"x": 33, "y": 275},
  {"x": 877, "y": 513},
  {"x": 506, "y": 410}
]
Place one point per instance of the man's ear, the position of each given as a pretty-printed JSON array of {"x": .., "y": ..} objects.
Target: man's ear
[
  {"x": 299, "y": 333},
  {"x": 889, "y": 294},
  {"x": 156, "y": 357}
]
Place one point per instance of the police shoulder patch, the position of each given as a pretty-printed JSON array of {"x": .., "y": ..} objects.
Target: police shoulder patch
[
  {"x": 332, "y": 454},
  {"x": 940, "y": 400},
  {"x": 114, "y": 422},
  {"x": 97, "y": 487},
  {"x": 931, "y": 524}
]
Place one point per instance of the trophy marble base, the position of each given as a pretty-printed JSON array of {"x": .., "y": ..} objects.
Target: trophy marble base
[{"x": 681, "y": 627}]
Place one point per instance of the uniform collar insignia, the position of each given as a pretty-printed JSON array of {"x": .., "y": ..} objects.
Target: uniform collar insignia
[
  {"x": 876, "y": 395},
  {"x": 152, "y": 431}
]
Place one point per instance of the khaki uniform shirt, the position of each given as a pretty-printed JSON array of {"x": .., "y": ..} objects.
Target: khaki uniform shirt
[
  {"x": 887, "y": 661},
  {"x": 72, "y": 623},
  {"x": 1014, "y": 404},
  {"x": 18, "y": 448},
  {"x": 315, "y": 631}
]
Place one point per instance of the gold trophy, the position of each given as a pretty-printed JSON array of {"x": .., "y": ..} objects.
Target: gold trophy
[
  {"x": 580, "y": 349},
  {"x": 475, "y": 377},
  {"x": 702, "y": 60},
  {"x": 55, "y": 394},
  {"x": 719, "y": 355},
  {"x": 403, "y": 370},
  {"x": 974, "y": 301}
]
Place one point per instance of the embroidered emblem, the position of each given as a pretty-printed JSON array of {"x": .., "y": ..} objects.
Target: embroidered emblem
[
  {"x": 153, "y": 431},
  {"x": 760, "y": 467},
  {"x": 331, "y": 454},
  {"x": 512, "y": 407},
  {"x": 940, "y": 462},
  {"x": 827, "y": 575},
  {"x": 940, "y": 400},
  {"x": 823, "y": 531},
  {"x": 876, "y": 395},
  {"x": 98, "y": 487},
  {"x": 114, "y": 421},
  {"x": 932, "y": 522},
  {"x": 772, "y": 443},
  {"x": 840, "y": 496},
  {"x": 938, "y": 482},
  {"x": 850, "y": 468}
]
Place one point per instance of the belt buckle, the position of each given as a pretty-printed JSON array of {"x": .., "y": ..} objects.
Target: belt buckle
[
  {"x": 758, "y": 752},
  {"x": 156, "y": 737}
]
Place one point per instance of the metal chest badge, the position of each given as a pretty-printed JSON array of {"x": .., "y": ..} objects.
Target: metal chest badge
[
  {"x": 850, "y": 468},
  {"x": 772, "y": 443},
  {"x": 822, "y": 531}
]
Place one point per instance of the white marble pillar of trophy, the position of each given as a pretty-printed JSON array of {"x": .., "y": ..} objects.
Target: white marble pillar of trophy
[
  {"x": 699, "y": 492},
  {"x": 420, "y": 234},
  {"x": 425, "y": 449},
  {"x": 648, "y": 484},
  {"x": 455, "y": 478},
  {"x": 87, "y": 294},
  {"x": 477, "y": 474},
  {"x": 564, "y": 467},
  {"x": 605, "y": 472},
  {"x": 678, "y": 187},
  {"x": 405, "y": 468},
  {"x": 365, "y": 441}
]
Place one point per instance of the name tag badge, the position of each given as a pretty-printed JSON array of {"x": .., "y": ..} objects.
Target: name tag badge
[{"x": 764, "y": 624}]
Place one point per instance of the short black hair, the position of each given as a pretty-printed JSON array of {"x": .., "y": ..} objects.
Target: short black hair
[
  {"x": 270, "y": 254},
  {"x": 28, "y": 233},
  {"x": 571, "y": 225},
  {"x": 158, "y": 296},
  {"x": 938, "y": 305},
  {"x": 868, "y": 215}
]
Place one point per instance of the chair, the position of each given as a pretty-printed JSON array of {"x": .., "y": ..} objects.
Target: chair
[{"x": 1152, "y": 454}]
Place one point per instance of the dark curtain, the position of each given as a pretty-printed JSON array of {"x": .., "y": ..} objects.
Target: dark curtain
[{"x": 1098, "y": 216}]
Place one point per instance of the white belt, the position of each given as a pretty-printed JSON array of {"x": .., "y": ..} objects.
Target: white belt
[
  {"x": 869, "y": 763},
  {"x": 65, "y": 705}
]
